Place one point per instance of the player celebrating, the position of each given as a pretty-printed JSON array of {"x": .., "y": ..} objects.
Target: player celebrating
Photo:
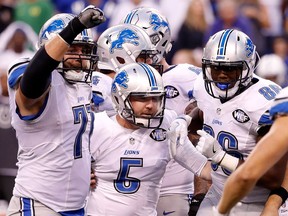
[
  {"x": 118, "y": 46},
  {"x": 131, "y": 149},
  {"x": 50, "y": 108},
  {"x": 234, "y": 106}
]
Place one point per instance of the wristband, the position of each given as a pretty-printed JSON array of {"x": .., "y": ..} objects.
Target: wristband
[
  {"x": 229, "y": 162},
  {"x": 282, "y": 192},
  {"x": 69, "y": 33}
]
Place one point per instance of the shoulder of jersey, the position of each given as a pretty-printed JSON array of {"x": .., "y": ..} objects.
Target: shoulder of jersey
[
  {"x": 16, "y": 71},
  {"x": 182, "y": 69}
]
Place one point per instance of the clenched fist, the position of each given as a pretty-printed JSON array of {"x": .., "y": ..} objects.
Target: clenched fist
[{"x": 91, "y": 16}]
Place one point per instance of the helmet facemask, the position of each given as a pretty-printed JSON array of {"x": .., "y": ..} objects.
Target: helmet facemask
[
  {"x": 225, "y": 89},
  {"x": 228, "y": 51},
  {"x": 86, "y": 62},
  {"x": 138, "y": 81},
  {"x": 144, "y": 121},
  {"x": 150, "y": 55}
]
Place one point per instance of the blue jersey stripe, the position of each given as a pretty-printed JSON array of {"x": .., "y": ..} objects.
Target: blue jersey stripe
[
  {"x": 281, "y": 108},
  {"x": 265, "y": 119},
  {"x": 27, "y": 208},
  {"x": 15, "y": 74}
]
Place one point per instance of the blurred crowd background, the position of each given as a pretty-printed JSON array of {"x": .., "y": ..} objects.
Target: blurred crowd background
[{"x": 191, "y": 22}]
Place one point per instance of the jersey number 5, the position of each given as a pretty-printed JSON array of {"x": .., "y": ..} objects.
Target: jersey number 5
[{"x": 124, "y": 183}]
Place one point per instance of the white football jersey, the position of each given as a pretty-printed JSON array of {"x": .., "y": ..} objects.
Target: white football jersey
[
  {"x": 178, "y": 81},
  {"x": 53, "y": 158},
  {"x": 101, "y": 90},
  {"x": 235, "y": 124},
  {"x": 129, "y": 165}
]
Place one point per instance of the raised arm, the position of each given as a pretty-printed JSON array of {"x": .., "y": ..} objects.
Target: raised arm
[{"x": 35, "y": 83}]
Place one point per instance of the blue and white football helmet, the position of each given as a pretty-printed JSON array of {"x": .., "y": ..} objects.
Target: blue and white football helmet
[
  {"x": 156, "y": 26},
  {"x": 123, "y": 44},
  {"x": 229, "y": 49},
  {"x": 138, "y": 79},
  {"x": 54, "y": 26}
]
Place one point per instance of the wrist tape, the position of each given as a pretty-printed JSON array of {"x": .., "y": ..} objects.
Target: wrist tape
[{"x": 282, "y": 192}]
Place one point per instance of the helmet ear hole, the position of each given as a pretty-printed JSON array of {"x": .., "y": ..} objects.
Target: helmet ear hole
[{"x": 120, "y": 60}]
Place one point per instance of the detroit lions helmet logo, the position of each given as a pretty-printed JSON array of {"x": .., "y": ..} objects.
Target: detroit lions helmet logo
[
  {"x": 125, "y": 36},
  {"x": 54, "y": 27},
  {"x": 249, "y": 47},
  {"x": 157, "y": 22},
  {"x": 121, "y": 79}
]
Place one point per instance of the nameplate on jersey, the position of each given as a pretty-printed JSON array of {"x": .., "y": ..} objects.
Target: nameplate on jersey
[
  {"x": 158, "y": 134},
  {"x": 240, "y": 116},
  {"x": 171, "y": 91}
]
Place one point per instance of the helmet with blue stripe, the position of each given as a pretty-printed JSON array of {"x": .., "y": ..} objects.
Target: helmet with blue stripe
[
  {"x": 141, "y": 80},
  {"x": 55, "y": 25},
  {"x": 155, "y": 25},
  {"x": 229, "y": 50}
]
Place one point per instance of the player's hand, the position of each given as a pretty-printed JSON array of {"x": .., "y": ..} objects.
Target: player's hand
[
  {"x": 93, "y": 180},
  {"x": 178, "y": 132},
  {"x": 209, "y": 147},
  {"x": 91, "y": 16}
]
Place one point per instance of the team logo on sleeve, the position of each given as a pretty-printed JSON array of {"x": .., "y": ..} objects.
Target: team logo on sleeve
[
  {"x": 171, "y": 91},
  {"x": 158, "y": 134},
  {"x": 240, "y": 116}
]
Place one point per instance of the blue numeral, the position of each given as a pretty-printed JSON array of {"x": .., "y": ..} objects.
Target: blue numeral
[
  {"x": 80, "y": 117},
  {"x": 269, "y": 92},
  {"x": 229, "y": 144},
  {"x": 124, "y": 183}
]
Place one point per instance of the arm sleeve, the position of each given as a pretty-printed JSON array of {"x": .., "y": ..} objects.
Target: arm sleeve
[{"x": 37, "y": 76}]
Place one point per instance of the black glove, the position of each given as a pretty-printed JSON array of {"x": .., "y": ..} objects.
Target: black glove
[
  {"x": 91, "y": 16},
  {"x": 195, "y": 203}
]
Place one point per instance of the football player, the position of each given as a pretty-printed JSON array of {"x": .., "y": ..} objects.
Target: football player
[
  {"x": 131, "y": 148},
  {"x": 176, "y": 192},
  {"x": 50, "y": 108},
  {"x": 269, "y": 150},
  {"x": 234, "y": 108},
  {"x": 118, "y": 46}
]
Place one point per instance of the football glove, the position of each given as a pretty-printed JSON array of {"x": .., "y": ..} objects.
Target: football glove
[
  {"x": 91, "y": 16},
  {"x": 210, "y": 148},
  {"x": 178, "y": 132}
]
